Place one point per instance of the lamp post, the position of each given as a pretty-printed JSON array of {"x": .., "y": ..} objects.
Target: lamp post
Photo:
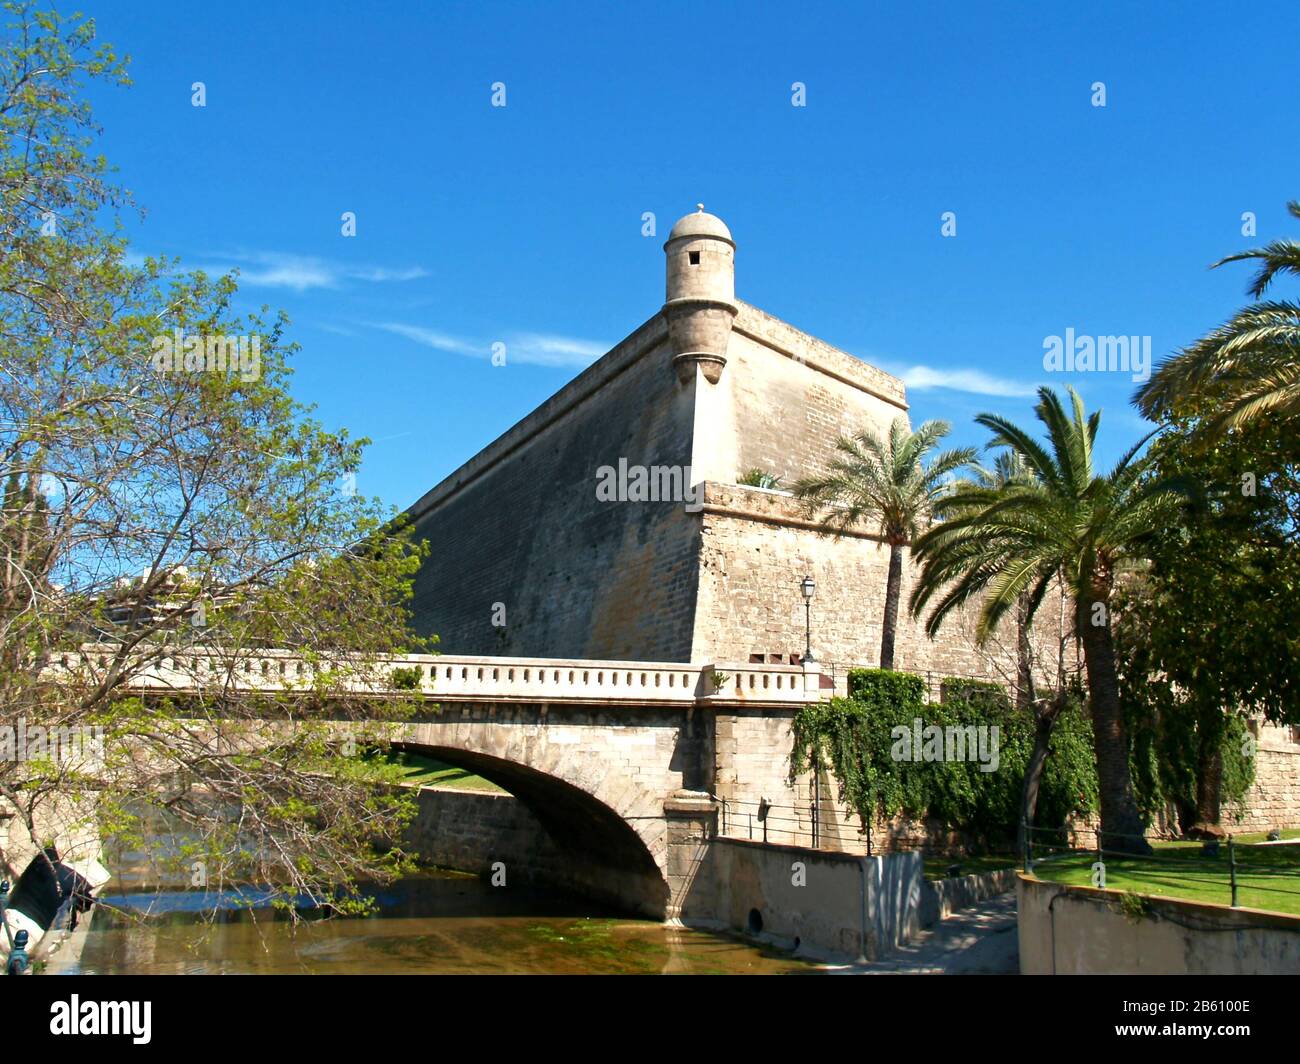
[{"x": 808, "y": 586}]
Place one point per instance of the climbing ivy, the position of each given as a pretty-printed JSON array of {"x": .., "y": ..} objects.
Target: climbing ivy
[
  {"x": 1164, "y": 762},
  {"x": 858, "y": 736}
]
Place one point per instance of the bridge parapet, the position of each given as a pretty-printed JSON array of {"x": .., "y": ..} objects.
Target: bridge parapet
[
  {"x": 623, "y": 762},
  {"x": 459, "y": 678}
]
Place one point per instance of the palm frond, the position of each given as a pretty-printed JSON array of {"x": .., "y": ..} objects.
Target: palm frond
[
  {"x": 1044, "y": 513},
  {"x": 1279, "y": 256}
]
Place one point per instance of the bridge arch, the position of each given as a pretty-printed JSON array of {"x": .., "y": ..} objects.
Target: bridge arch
[{"x": 611, "y": 833}]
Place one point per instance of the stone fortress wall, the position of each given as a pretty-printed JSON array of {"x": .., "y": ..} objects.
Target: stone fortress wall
[
  {"x": 1274, "y": 798},
  {"x": 716, "y": 387},
  {"x": 520, "y": 525}
]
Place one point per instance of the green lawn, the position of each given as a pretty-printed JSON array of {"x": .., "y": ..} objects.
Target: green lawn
[
  {"x": 1268, "y": 877},
  {"x": 430, "y": 773},
  {"x": 1260, "y": 836},
  {"x": 937, "y": 867}
]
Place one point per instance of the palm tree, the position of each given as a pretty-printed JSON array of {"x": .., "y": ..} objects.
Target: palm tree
[
  {"x": 1250, "y": 364},
  {"x": 999, "y": 543},
  {"x": 885, "y": 483},
  {"x": 1010, "y": 468}
]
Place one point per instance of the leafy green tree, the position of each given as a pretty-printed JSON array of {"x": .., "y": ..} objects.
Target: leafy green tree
[
  {"x": 1189, "y": 752},
  {"x": 890, "y": 485},
  {"x": 1068, "y": 522},
  {"x": 1211, "y": 631},
  {"x": 180, "y": 511},
  {"x": 1249, "y": 367}
]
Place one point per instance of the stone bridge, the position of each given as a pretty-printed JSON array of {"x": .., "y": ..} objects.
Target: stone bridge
[{"x": 625, "y": 764}]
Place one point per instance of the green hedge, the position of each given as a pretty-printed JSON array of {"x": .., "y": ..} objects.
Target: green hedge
[
  {"x": 880, "y": 686},
  {"x": 986, "y": 692}
]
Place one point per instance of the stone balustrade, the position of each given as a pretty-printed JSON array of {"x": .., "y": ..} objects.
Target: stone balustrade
[{"x": 449, "y": 677}]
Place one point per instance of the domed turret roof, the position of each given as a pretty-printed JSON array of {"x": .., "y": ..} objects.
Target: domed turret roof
[{"x": 701, "y": 224}]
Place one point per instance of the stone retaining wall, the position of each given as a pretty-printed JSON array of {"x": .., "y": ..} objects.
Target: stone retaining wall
[
  {"x": 471, "y": 830},
  {"x": 1085, "y": 931},
  {"x": 941, "y": 898}
]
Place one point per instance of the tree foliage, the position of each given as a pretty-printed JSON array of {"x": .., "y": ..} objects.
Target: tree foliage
[
  {"x": 1210, "y": 631},
  {"x": 183, "y": 514},
  {"x": 890, "y": 484},
  {"x": 1005, "y": 544},
  {"x": 1248, "y": 368}
]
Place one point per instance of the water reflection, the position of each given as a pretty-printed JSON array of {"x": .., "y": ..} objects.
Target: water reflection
[{"x": 433, "y": 923}]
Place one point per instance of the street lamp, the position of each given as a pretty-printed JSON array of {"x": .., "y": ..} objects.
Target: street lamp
[{"x": 808, "y": 586}]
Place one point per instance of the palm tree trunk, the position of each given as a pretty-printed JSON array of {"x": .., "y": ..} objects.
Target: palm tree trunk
[
  {"x": 893, "y": 590},
  {"x": 1121, "y": 824}
]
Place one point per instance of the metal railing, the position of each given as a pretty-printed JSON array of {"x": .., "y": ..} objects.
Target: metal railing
[
  {"x": 1244, "y": 864},
  {"x": 816, "y": 824}
]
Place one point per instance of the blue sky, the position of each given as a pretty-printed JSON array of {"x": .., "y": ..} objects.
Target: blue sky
[{"x": 523, "y": 224}]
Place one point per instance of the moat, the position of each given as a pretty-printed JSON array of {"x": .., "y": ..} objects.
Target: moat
[{"x": 435, "y": 923}]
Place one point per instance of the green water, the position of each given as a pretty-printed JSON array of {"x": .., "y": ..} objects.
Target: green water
[{"x": 434, "y": 923}]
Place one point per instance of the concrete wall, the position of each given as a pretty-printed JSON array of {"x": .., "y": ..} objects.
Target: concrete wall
[
  {"x": 822, "y": 903},
  {"x": 1084, "y": 931},
  {"x": 943, "y": 897},
  {"x": 722, "y": 879}
]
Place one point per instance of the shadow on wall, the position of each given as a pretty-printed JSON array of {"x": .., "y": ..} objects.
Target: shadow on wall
[
  {"x": 587, "y": 847},
  {"x": 825, "y": 904}
]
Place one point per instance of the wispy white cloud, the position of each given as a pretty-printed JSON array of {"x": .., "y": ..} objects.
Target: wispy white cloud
[
  {"x": 546, "y": 350},
  {"x": 276, "y": 269},
  {"x": 536, "y": 349},
  {"x": 438, "y": 341},
  {"x": 378, "y": 274},
  {"x": 288, "y": 271},
  {"x": 977, "y": 382}
]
